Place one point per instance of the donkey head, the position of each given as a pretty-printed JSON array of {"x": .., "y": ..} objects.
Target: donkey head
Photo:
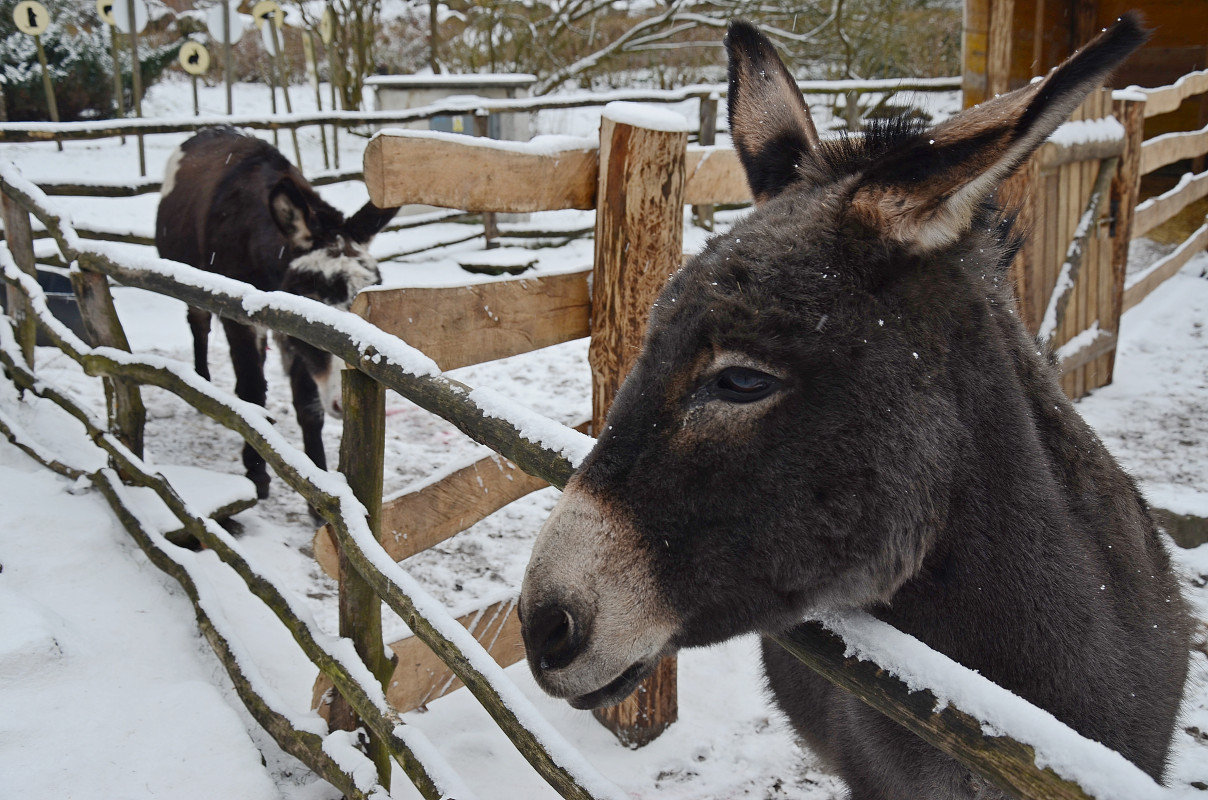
[
  {"x": 786, "y": 440},
  {"x": 329, "y": 262}
]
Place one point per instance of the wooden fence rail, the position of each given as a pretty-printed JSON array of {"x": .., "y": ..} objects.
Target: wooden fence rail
[
  {"x": 407, "y": 372},
  {"x": 66, "y": 131}
]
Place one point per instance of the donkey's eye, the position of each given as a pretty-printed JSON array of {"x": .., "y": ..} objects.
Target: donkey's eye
[{"x": 743, "y": 385}]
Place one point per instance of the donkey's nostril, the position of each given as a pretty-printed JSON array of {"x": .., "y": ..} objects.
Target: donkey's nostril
[{"x": 555, "y": 636}]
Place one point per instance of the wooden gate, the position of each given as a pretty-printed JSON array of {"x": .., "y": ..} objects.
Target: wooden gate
[{"x": 1075, "y": 198}]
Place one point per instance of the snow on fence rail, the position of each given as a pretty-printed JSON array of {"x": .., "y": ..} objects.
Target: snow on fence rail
[
  {"x": 43, "y": 131},
  {"x": 1024, "y": 757}
]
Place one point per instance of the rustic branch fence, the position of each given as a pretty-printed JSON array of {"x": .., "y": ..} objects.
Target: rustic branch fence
[{"x": 635, "y": 227}]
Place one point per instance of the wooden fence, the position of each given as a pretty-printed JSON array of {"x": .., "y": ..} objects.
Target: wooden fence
[
  {"x": 706, "y": 95},
  {"x": 635, "y": 226}
]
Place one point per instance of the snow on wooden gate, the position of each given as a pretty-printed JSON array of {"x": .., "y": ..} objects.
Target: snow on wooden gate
[{"x": 997, "y": 735}]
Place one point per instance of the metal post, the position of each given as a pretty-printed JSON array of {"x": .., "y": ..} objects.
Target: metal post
[
  {"x": 136, "y": 80},
  {"x": 119, "y": 99},
  {"x": 227, "y": 64},
  {"x": 283, "y": 78}
]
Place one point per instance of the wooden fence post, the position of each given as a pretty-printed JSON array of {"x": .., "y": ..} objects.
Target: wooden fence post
[
  {"x": 19, "y": 237},
  {"x": 1126, "y": 187},
  {"x": 707, "y": 136},
  {"x": 123, "y": 398},
  {"x": 639, "y": 244},
  {"x": 362, "y": 449},
  {"x": 490, "y": 227}
]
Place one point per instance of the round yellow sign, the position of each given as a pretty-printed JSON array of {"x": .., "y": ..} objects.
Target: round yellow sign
[
  {"x": 266, "y": 9},
  {"x": 104, "y": 8},
  {"x": 327, "y": 25},
  {"x": 31, "y": 17},
  {"x": 194, "y": 58}
]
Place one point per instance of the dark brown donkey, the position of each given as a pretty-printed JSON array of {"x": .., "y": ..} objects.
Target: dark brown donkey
[
  {"x": 232, "y": 204},
  {"x": 837, "y": 407}
]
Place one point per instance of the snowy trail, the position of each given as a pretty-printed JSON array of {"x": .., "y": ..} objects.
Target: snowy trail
[{"x": 108, "y": 689}]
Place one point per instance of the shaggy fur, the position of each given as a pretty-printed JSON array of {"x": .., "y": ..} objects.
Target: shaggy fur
[
  {"x": 233, "y": 205},
  {"x": 836, "y": 406}
]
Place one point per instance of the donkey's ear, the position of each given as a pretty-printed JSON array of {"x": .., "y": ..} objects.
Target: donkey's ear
[
  {"x": 291, "y": 213},
  {"x": 925, "y": 193},
  {"x": 769, "y": 120},
  {"x": 367, "y": 222}
]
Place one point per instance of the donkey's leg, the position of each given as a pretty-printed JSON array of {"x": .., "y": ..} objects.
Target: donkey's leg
[
  {"x": 199, "y": 323},
  {"x": 247, "y": 356},
  {"x": 308, "y": 406}
]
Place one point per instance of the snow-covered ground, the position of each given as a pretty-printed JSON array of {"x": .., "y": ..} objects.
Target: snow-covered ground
[{"x": 110, "y": 691}]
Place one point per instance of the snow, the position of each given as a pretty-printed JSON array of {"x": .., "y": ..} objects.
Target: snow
[
  {"x": 83, "y": 718},
  {"x": 641, "y": 115},
  {"x": 548, "y": 145},
  {"x": 1103, "y": 773},
  {"x": 1107, "y": 129},
  {"x": 111, "y": 691}
]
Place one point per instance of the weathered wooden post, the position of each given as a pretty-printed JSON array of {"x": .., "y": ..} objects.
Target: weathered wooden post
[
  {"x": 639, "y": 244},
  {"x": 1126, "y": 187},
  {"x": 123, "y": 398},
  {"x": 707, "y": 136},
  {"x": 136, "y": 74},
  {"x": 490, "y": 228},
  {"x": 362, "y": 450},
  {"x": 18, "y": 235}
]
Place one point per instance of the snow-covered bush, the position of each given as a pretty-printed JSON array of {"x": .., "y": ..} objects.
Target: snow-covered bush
[{"x": 79, "y": 60}]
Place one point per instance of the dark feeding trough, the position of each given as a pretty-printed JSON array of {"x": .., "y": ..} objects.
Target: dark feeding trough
[{"x": 61, "y": 300}]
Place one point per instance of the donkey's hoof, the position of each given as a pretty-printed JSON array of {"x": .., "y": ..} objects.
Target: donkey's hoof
[{"x": 262, "y": 483}]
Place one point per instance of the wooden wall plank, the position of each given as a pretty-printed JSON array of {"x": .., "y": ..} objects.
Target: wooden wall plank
[{"x": 462, "y": 325}]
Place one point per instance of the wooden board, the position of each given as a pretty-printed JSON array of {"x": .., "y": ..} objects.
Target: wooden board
[
  {"x": 1167, "y": 268},
  {"x": 462, "y": 325},
  {"x": 1156, "y": 210},
  {"x": 1167, "y": 98},
  {"x": 426, "y": 515},
  {"x": 714, "y": 176},
  {"x": 477, "y": 176},
  {"x": 420, "y": 676},
  {"x": 1172, "y": 147}
]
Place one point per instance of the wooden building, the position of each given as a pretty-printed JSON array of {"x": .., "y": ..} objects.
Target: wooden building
[{"x": 1007, "y": 42}]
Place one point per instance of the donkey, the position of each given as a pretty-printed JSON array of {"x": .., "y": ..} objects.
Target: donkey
[
  {"x": 232, "y": 204},
  {"x": 837, "y": 407}
]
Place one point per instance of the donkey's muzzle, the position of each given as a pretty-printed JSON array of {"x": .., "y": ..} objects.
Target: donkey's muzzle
[{"x": 592, "y": 616}]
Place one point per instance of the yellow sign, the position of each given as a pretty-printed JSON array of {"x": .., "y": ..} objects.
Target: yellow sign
[
  {"x": 265, "y": 9},
  {"x": 31, "y": 17},
  {"x": 104, "y": 8},
  {"x": 194, "y": 58},
  {"x": 327, "y": 25}
]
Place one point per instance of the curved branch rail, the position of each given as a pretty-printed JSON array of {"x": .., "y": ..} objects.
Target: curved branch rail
[{"x": 348, "y": 674}]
